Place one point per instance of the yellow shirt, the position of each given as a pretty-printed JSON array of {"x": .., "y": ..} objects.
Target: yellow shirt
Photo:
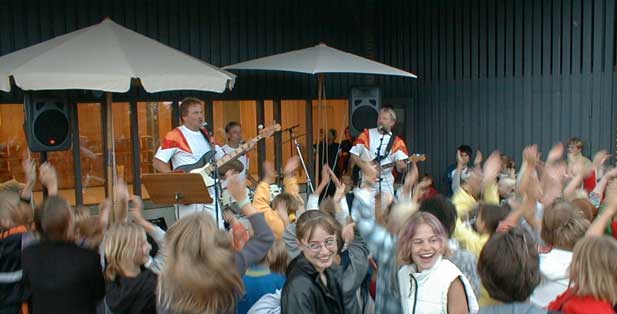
[
  {"x": 464, "y": 203},
  {"x": 261, "y": 202}
]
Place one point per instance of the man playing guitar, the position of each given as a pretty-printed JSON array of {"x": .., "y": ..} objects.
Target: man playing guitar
[
  {"x": 233, "y": 132},
  {"x": 185, "y": 145},
  {"x": 380, "y": 145}
]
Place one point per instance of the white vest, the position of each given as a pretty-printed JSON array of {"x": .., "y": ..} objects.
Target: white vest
[{"x": 432, "y": 288}]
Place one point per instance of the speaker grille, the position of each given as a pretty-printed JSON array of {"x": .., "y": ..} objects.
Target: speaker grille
[
  {"x": 364, "y": 117},
  {"x": 51, "y": 128}
]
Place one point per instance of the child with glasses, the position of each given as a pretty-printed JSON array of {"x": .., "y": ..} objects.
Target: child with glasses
[{"x": 314, "y": 281}]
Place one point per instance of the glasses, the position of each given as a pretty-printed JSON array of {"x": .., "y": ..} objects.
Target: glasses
[{"x": 315, "y": 247}]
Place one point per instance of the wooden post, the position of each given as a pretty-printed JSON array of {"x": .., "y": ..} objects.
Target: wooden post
[
  {"x": 136, "y": 147},
  {"x": 110, "y": 161},
  {"x": 79, "y": 197}
]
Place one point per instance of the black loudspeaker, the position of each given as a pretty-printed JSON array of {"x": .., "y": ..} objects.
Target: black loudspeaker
[
  {"x": 46, "y": 122},
  {"x": 364, "y": 103}
]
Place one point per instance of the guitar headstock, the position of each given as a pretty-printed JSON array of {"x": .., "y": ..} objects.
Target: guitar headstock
[
  {"x": 417, "y": 157},
  {"x": 268, "y": 131}
]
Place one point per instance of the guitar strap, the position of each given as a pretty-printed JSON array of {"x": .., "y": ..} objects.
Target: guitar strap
[
  {"x": 206, "y": 133},
  {"x": 388, "y": 147},
  {"x": 390, "y": 143}
]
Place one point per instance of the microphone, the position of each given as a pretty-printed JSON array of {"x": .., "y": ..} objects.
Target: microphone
[
  {"x": 383, "y": 129},
  {"x": 291, "y": 128}
]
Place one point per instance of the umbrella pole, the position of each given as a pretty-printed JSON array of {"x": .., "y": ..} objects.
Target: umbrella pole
[
  {"x": 320, "y": 87},
  {"x": 110, "y": 162}
]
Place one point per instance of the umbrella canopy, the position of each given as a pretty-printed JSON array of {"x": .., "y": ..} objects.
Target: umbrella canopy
[
  {"x": 319, "y": 59},
  {"x": 105, "y": 57}
]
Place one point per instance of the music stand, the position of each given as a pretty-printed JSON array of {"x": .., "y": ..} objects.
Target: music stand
[{"x": 176, "y": 189}]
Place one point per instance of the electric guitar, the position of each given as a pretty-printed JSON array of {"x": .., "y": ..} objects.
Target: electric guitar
[
  {"x": 412, "y": 158},
  {"x": 206, "y": 164}
]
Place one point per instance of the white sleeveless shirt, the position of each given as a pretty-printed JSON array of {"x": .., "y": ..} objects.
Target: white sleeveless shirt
[{"x": 432, "y": 288}]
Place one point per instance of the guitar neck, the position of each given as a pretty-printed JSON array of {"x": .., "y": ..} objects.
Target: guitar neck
[
  {"x": 408, "y": 160},
  {"x": 238, "y": 151}
]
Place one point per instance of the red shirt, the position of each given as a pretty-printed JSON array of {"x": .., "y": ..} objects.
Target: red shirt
[{"x": 568, "y": 303}]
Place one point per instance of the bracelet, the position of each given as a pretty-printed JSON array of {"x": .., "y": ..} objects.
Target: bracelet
[{"x": 244, "y": 202}]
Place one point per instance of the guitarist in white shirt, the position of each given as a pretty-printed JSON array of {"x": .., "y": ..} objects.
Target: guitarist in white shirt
[
  {"x": 372, "y": 144},
  {"x": 185, "y": 145},
  {"x": 233, "y": 132}
]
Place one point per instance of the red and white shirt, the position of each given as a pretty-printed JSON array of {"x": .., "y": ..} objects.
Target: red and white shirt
[
  {"x": 367, "y": 146},
  {"x": 183, "y": 147}
]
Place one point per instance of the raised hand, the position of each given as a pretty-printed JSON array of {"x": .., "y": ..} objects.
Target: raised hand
[
  {"x": 598, "y": 162},
  {"x": 479, "y": 158},
  {"x": 410, "y": 179},
  {"x": 236, "y": 187},
  {"x": 137, "y": 208},
  {"x": 531, "y": 155},
  {"x": 325, "y": 179},
  {"x": 121, "y": 191},
  {"x": 600, "y": 158},
  {"x": 460, "y": 162},
  {"x": 237, "y": 190},
  {"x": 29, "y": 167},
  {"x": 421, "y": 189},
  {"x": 49, "y": 178},
  {"x": 492, "y": 167},
  {"x": 555, "y": 154},
  {"x": 291, "y": 166},
  {"x": 270, "y": 173}
]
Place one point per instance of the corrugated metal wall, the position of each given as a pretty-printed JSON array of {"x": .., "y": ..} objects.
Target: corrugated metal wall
[
  {"x": 220, "y": 32},
  {"x": 493, "y": 74},
  {"x": 501, "y": 74}
]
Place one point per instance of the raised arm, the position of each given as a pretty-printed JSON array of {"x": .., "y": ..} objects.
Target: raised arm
[
  {"x": 155, "y": 264},
  {"x": 608, "y": 215},
  {"x": 257, "y": 247},
  {"x": 49, "y": 178},
  {"x": 313, "y": 200},
  {"x": 261, "y": 200},
  {"x": 29, "y": 167}
]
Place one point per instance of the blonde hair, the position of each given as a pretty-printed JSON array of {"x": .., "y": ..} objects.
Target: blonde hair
[
  {"x": 277, "y": 257},
  {"x": 390, "y": 111},
  {"x": 198, "y": 276},
  {"x": 14, "y": 211},
  {"x": 593, "y": 271},
  {"x": 88, "y": 227},
  {"x": 563, "y": 225},
  {"x": 409, "y": 230},
  {"x": 399, "y": 214},
  {"x": 122, "y": 241}
]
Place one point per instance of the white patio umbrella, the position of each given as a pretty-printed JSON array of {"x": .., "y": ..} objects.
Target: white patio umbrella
[
  {"x": 107, "y": 57},
  {"x": 318, "y": 60}
]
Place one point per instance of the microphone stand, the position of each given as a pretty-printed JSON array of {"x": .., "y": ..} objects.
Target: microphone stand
[
  {"x": 295, "y": 142},
  {"x": 217, "y": 182}
]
